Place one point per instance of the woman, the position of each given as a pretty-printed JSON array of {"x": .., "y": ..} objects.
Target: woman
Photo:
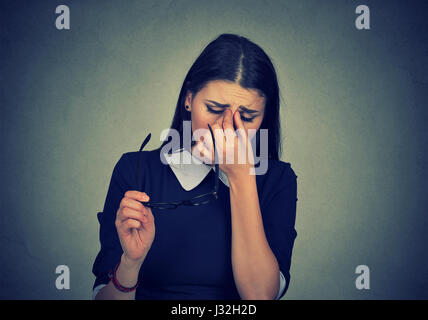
[{"x": 239, "y": 244}]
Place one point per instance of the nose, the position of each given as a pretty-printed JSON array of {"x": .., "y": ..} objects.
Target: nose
[{"x": 232, "y": 109}]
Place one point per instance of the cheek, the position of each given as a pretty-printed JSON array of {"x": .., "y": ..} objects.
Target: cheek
[
  {"x": 197, "y": 120},
  {"x": 200, "y": 119}
]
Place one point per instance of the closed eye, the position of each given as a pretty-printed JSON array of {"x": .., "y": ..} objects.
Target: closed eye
[{"x": 210, "y": 109}]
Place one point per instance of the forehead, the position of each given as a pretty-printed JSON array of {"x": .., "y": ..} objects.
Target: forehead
[{"x": 232, "y": 93}]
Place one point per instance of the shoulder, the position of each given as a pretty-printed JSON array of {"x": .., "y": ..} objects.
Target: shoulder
[
  {"x": 278, "y": 190},
  {"x": 133, "y": 158},
  {"x": 130, "y": 162},
  {"x": 280, "y": 171},
  {"x": 280, "y": 177},
  {"x": 135, "y": 155},
  {"x": 134, "y": 165}
]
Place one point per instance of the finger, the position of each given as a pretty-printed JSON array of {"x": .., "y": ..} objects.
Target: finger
[
  {"x": 217, "y": 130},
  {"x": 205, "y": 151},
  {"x": 240, "y": 128},
  {"x": 218, "y": 133},
  {"x": 220, "y": 142},
  {"x": 228, "y": 129},
  {"x": 130, "y": 224},
  {"x": 128, "y": 213},
  {"x": 206, "y": 140},
  {"x": 137, "y": 195},
  {"x": 148, "y": 217},
  {"x": 203, "y": 136},
  {"x": 131, "y": 203},
  {"x": 202, "y": 152},
  {"x": 228, "y": 120}
]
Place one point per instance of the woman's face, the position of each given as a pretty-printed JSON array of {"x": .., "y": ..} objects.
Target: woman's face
[{"x": 217, "y": 96}]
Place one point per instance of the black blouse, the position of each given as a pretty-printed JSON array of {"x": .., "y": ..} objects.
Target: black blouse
[{"x": 190, "y": 257}]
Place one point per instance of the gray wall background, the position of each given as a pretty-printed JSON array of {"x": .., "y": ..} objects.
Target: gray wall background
[{"x": 353, "y": 115}]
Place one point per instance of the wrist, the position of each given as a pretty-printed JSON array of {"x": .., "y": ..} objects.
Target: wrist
[
  {"x": 129, "y": 264},
  {"x": 240, "y": 179},
  {"x": 125, "y": 275}
]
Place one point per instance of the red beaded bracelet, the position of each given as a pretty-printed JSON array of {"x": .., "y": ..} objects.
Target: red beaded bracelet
[{"x": 117, "y": 285}]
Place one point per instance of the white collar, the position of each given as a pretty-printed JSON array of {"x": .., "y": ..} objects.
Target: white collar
[{"x": 192, "y": 171}]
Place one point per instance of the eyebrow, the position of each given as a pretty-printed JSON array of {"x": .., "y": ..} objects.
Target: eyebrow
[{"x": 228, "y": 105}]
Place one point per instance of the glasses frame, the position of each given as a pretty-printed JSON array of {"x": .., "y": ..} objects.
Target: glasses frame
[{"x": 194, "y": 201}]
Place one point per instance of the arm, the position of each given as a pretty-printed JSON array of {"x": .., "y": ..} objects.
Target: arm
[
  {"x": 126, "y": 234},
  {"x": 255, "y": 267},
  {"x": 127, "y": 275},
  {"x": 258, "y": 252}
]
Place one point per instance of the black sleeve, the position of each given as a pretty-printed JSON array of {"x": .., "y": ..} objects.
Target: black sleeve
[
  {"x": 279, "y": 215},
  {"x": 111, "y": 250}
]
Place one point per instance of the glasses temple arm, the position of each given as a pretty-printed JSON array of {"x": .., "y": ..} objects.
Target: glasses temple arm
[
  {"x": 215, "y": 160},
  {"x": 139, "y": 162}
]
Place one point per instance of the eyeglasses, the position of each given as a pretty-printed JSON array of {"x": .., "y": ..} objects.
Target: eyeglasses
[{"x": 195, "y": 201}]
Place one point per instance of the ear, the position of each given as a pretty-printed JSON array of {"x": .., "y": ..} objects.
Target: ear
[{"x": 188, "y": 99}]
